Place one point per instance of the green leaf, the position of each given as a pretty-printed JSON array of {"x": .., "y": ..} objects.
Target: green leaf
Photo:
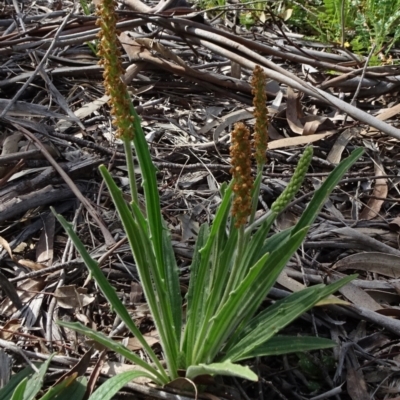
[
  {"x": 7, "y": 391},
  {"x": 111, "y": 295},
  {"x": 223, "y": 259},
  {"x": 273, "y": 319},
  {"x": 65, "y": 385},
  {"x": 321, "y": 195},
  {"x": 35, "y": 382},
  {"x": 225, "y": 368},
  {"x": 20, "y": 390},
  {"x": 172, "y": 283},
  {"x": 155, "y": 281},
  {"x": 274, "y": 241},
  {"x": 149, "y": 184},
  {"x": 112, "y": 345},
  {"x": 192, "y": 322},
  {"x": 111, "y": 387},
  {"x": 253, "y": 252},
  {"x": 256, "y": 293},
  {"x": 245, "y": 300},
  {"x": 290, "y": 344},
  {"x": 75, "y": 391},
  {"x": 201, "y": 287}
]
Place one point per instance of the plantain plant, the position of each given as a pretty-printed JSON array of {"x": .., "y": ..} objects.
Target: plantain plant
[{"x": 235, "y": 262}]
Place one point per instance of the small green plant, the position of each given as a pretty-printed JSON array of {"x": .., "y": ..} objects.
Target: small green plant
[
  {"x": 360, "y": 24},
  {"x": 235, "y": 260},
  {"x": 377, "y": 23},
  {"x": 87, "y": 10},
  {"x": 262, "y": 12},
  {"x": 206, "y": 4}
]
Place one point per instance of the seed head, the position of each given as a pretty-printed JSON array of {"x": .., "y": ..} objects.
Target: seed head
[
  {"x": 295, "y": 183},
  {"x": 110, "y": 59},
  {"x": 258, "y": 82},
  {"x": 241, "y": 172}
]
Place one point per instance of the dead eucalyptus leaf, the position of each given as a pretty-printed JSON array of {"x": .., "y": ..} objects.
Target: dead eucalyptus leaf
[
  {"x": 380, "y": 191},
  {"x": 68, "y": 297},
  {"x": 6, "y": 246},
  {"x": 294, "y": 112},
  {"x": 359, "y": 297},
  {"x": 297, "y": 140},
  {"x": 34, "y": 266},
  {"x": 8, "y": 330},
  {"x": 134, "y": 344},
  {"x": 380, "y": 263}
]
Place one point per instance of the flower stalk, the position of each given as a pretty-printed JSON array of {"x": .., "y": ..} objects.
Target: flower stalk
[
  {"x": 258, "y": 83},
  {"x": 241, "y": 172},
  {"x": 109, "y": 54},
  {"x": 295, "y": 183},
  {"x": 260, "y": 134}
]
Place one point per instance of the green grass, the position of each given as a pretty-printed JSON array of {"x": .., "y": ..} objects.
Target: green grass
[{"x": 357, "y": 24}]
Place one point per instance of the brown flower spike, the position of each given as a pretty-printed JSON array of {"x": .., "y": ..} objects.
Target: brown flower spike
[
  {"x": 241, "y": 171},
  {"x": 109, "y": 55},
  {"x": 258, "y": 82}
]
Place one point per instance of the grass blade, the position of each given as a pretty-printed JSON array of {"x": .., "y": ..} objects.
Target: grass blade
[
  {"x": 245, "y": 300},
  {"x": 172, "y": 283}
]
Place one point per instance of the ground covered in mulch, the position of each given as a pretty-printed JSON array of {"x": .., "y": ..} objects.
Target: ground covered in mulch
[{"x": 188, "y": 73}]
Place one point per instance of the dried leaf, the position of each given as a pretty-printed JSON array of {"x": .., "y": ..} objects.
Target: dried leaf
[
  {"x": 297, "y": 140},
  {"x": 151, "y": 339},
  {"x": 45, "y": 245},
  {"x": 68, "y": 297},
  {"x": 359, "y": 297},
  {"x": 13, "y": 325},
  {"x": 83, "y": 112},
  {"x": 114, "y": 368},
  {"x": 294, "y": 112},
  {"x": 356, "y": 385},
  {"x": 6, "y": 246},
  {"x": 136, "y": 294},
  {"x": 380, "y": 263},
  {"x": 34, "y": 266},
  {"x": 380, "y": 191},
  {"x": 335, "y": 155}
]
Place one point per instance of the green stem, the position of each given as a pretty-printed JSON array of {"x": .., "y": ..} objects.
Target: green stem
[
  {"x": 236, "y": 273},
  {"x": 256, "y": 193},
  {"x": 131, "y": 169}
]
